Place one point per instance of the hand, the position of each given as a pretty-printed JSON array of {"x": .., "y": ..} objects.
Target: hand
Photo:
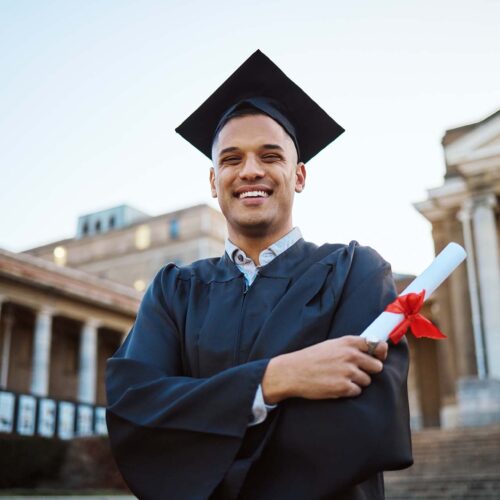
[{"x": 331, "y": 369}]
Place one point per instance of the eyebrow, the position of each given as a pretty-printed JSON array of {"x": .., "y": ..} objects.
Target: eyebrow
[
  {"x": 228, "y": 150},
  {"x": 272, "y": 146},
  {"x": 264, "y": 146}
]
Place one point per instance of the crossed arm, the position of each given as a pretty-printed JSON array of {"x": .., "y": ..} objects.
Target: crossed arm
[{"x": 331, "y": 369}]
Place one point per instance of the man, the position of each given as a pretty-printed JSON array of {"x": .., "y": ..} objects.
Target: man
[{"x": 243, "y": 376}]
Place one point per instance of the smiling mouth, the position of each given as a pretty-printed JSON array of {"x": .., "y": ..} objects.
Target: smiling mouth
[{"x": 253, "y": 194}]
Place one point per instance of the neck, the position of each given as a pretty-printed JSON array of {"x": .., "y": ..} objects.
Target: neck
[{"x": 252, "y": 245}]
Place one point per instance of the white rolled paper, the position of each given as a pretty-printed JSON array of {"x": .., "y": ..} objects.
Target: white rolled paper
[{"x": 442, "y": 266}]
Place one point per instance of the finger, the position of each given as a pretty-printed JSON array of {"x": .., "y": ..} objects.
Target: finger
[
  {"x": 372, "y": 345},
  {"x": 369, "y": 364},
  {"x": 361, "y": 343},
  {"x": 361, "y": 378},
  {"x": 353, "y": 390},
  {"x": 376, "y": 348},
  {"x": 381, "y": 351},
  {"x": 357, "y": 341}
]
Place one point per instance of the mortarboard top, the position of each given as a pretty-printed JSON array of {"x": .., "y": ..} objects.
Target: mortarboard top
[{"x": 258, "y": 77}]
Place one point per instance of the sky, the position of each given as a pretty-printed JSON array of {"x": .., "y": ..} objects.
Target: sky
[{"x": 92, "y": 90}]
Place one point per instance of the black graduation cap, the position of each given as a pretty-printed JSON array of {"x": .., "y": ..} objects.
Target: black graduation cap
[{"x": 260, "y": 84}]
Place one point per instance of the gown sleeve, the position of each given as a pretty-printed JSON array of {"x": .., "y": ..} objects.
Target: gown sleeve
[
  {"x": 340, "y": 443},
  {"x": 173, "y": 436}
]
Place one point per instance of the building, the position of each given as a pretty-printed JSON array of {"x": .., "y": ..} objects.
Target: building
[
  {"x": 57, "y": 328},
  {"x": 465, "y": 209},
  {"x": 127, "y": 246},
  {"x": 67, "y": 306}
]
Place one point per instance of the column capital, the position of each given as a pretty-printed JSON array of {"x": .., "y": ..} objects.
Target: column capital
[
  {"x": 92, "y": 323},
  {"x": 46, "y": 310},
  {"x": 487, "y": 200},
  {"x": 465, "y": 212}
]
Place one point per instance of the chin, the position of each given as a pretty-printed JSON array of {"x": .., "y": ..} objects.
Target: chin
[{"x": 252, "y": 226}]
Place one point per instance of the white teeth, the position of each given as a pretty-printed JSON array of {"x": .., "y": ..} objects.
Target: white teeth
[{"x": 248, "y": 194}]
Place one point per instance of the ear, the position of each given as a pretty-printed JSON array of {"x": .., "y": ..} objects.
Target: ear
[
  {"x": 212, "y": 182},
  {"x": 300, "y": 177}
]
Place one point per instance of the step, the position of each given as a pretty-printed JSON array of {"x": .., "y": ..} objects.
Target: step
[{"x": 444, "y": 487}]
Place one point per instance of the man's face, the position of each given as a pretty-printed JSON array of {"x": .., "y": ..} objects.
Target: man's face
[{"x": 255, "y": 176}]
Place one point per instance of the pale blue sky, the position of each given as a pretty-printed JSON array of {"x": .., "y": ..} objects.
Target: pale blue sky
[{"x": 91, "y": 91}]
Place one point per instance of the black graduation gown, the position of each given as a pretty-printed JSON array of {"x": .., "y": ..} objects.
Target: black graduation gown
[{"x": 181, "y": 387}]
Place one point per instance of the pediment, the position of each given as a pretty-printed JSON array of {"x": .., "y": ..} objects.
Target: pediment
[{"x": 483, "y": 141}]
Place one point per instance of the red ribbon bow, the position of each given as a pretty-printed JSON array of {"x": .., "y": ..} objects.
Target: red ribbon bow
[{"x": 410, "y": 305}]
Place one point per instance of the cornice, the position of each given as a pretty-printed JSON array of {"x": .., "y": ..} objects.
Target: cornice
[{"x": 79, "y": 285}]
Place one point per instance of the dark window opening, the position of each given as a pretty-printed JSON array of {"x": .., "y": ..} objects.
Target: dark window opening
[
  {"x": 98, "y": 226},
  {"x": 174, "y": 229}
]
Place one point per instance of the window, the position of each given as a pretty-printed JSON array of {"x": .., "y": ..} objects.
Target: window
[
  {"x": 112, "y": 222},
  {"x": 60, "y": 256},
  {"x": 85, "y": 228},
  {"x": 142, "y": 237},
  {"x": 140, "y": 285},
  {"x": 98, "y": 226},
  {"x": 174, "y": 229}
]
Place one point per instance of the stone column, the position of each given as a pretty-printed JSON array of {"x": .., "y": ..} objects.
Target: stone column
[
  {"x": 460, "y": 308},
  {"x": 488, "y": 266},
  {"x": 7, "y": 336},
  {"x": 88, "y": 362},
  {"x": 445, "y": 351},
  {"x": 41, "y": 352},
  {"x": 465, "y": 217}
]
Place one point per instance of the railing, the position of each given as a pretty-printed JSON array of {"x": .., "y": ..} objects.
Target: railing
[{"x": 29, "y": 415}]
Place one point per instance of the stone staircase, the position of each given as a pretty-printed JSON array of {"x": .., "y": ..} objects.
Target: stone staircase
[{"x": 453, "y": 464}]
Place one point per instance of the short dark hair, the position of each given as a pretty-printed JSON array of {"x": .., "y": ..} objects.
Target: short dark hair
[{"x": 237, "y": 113}]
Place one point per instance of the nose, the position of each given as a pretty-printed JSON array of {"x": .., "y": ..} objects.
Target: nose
[{"x": 251, "y": 169}]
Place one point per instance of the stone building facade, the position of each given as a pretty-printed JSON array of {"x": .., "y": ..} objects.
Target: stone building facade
[
  {"x": 466, "y": 209},
  {"x": 127, "y": 246},
  {"x": 66, "y": 307},
  {"x": 57, "y": 328}
]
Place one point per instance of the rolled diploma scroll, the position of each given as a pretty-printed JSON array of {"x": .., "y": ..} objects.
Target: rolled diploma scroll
[{"x": 442, "y": 266}]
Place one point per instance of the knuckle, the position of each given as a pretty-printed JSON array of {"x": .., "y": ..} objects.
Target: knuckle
[{"x": 352, "y": 354}]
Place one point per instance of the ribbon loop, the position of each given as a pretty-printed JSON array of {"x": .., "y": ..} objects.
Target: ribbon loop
[{"x": 410, "y": 305}]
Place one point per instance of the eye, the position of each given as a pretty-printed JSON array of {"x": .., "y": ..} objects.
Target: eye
[
  {"x": 271, "y": 157},
  {"x": 231, "y": 160}
]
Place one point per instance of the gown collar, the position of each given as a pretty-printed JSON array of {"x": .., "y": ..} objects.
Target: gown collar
[
  {"x": 247, "y": 266},
  {"x": 281, "y": 266},
  {"x": 239, "y": 257}
]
